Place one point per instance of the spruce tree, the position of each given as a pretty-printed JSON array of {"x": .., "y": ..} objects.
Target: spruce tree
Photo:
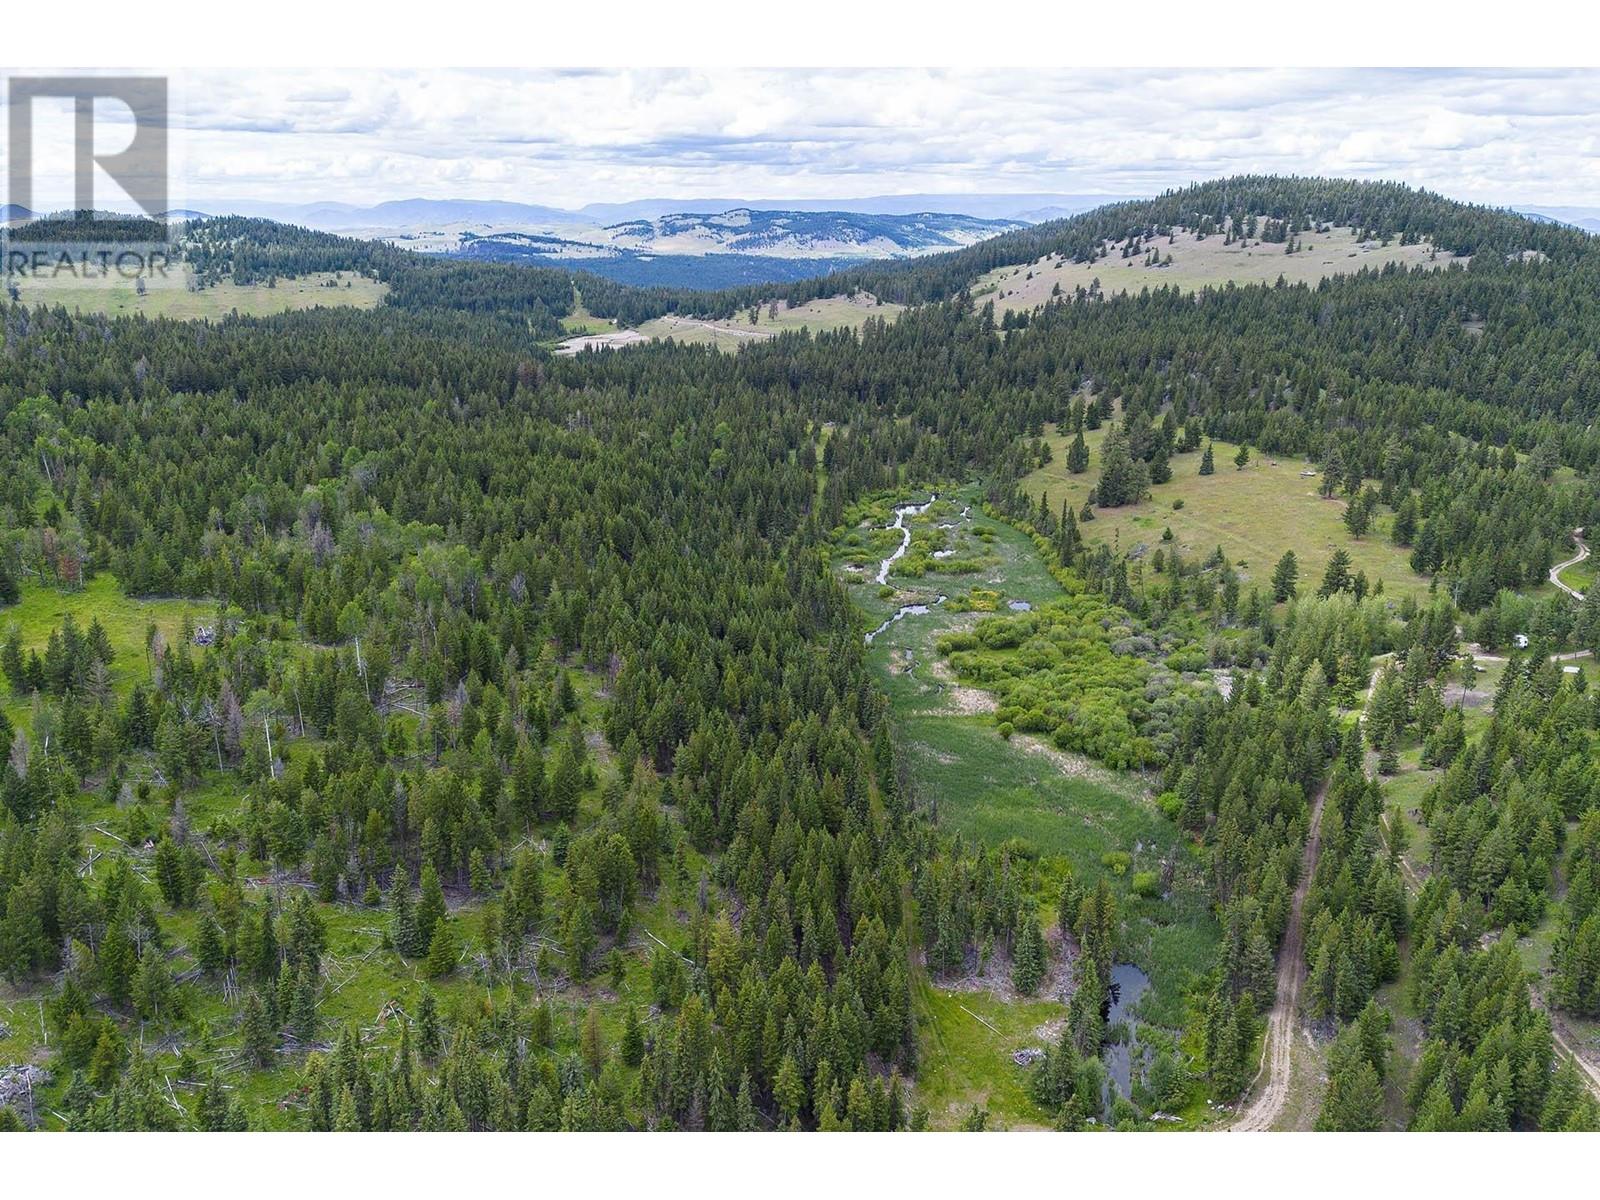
[
  {"x": 1337, "y": 576},
  {"x": 1028, "y": 963},
  {"x": 430, "y": 1037},
  {"x": 260, "y": 1039},
  {"x": 1078, "y": 455},
  {"x": 1284, "y": 578},
  {"x": 152, "y": 984},
  {"x": 431, "y": 908},
  {"x": 444, "y": 951}
]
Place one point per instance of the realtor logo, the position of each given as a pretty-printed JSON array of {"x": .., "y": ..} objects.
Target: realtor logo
[{"x": 140, "y": 170}]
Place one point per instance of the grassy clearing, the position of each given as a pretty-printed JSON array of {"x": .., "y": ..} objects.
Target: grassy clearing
[
  {"x": 964, "y": 1062},
  {"x": 41, "y": 610},
  {"x": 1197, "y": 264},
  {"x": 170, "y": 295},
  {"x": 1254, "y": 515},
  {"x": 581, "y": 321},
  {"x": 1580, "y": 576},
  {"x": 835, "y": 312}
]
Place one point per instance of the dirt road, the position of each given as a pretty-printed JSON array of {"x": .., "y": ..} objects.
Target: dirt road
[
  {"x": 1284, "y": 1018},
  {"x": 1591, "y": 1073},
  {"x": 1555, "y": 571}
]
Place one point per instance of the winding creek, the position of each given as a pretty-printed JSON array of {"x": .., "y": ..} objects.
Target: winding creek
[
  {"x": 900, "y": 515},
  {"x": 900, "y": 518}
]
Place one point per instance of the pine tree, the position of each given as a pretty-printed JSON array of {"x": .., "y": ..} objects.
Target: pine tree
[
  {"x": 260, "y": 1039},
  {"x": 1160, "y": 464},
  {"x": 1337, "y": 576},
  {"x": 1241, "y": 458},
  {"x": 1078, "y": 455},
  {"x": 565, "y": 786},
  {"x": 1332, "y": 473},
  {"x": 1028, "y": 963},
  {"x": 152, "y": 983},
  {"x": 591, "y": 1042},
  {"x": 632, "y": 1048},
  {"x": 579, "y": 937},
  {"x": 431, "y": 908},
  {"x": 1357, "y": 517},
  {"x": 1208, "y": 462},
  {"x": 1284, "y": 578},
  {"x": 1067, "y": 536},
  {"x": 11, "y": 663},
  {"x": 444, "y": 951}
]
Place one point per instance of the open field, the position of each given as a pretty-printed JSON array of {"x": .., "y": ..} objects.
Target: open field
[
  {"x": 965, "y": 1062},
  {"x": 836, "y": 312},
  {"x": 1198, "y": 263},
  {"x": 169, "y": 295},
  {"x": 581, "y": 321},
  {"x": 42, "y": 609},
  {"x": 1254, "y": 515}
]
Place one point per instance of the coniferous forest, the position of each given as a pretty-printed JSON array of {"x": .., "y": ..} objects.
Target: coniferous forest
[{"x": 407, "y": 728}]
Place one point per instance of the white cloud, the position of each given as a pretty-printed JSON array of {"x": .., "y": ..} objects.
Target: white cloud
[{"x": 571, "y": 137}]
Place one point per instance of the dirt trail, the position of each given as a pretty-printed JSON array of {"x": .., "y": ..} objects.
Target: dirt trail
[
  {"x": 1264, "y": 1109},
  {"x": 1276, "y": 1062},
  {"x": 1555, "y": 571},
  {"x": 1591, "y": 1073}
]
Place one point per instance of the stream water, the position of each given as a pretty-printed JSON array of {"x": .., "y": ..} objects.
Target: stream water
[
  {"x": 907, "y": 610},
  {"x": 900, "y": 515},
  {"x": 1128, "y": 983}
]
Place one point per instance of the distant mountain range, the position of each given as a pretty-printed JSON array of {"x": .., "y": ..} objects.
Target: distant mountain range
[
  {"x": 823, "y": 239},
  {"x": 1579, "y": 218},
  {"x": 708, "y": 250},
  {"x": 401, "y": 214}
]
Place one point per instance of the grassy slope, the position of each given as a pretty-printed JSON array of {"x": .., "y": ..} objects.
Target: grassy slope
[
  {"x": 169, "y": 295},
  {"x": 1197, "y": 264},
  {"x": 1254, "y": 515},
  {"x": 837, "y": 312},
  {"x": 42, "y": 609}
]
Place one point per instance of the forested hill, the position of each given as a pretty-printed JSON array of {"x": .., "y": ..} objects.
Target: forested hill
[
  {"x": 346, "y": 650},
  {"x": 1381, "y": 210},
  {"x": 250, "y": 250}
]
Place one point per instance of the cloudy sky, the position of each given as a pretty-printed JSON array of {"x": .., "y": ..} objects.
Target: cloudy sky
[{"x": 568, "y": 138}]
